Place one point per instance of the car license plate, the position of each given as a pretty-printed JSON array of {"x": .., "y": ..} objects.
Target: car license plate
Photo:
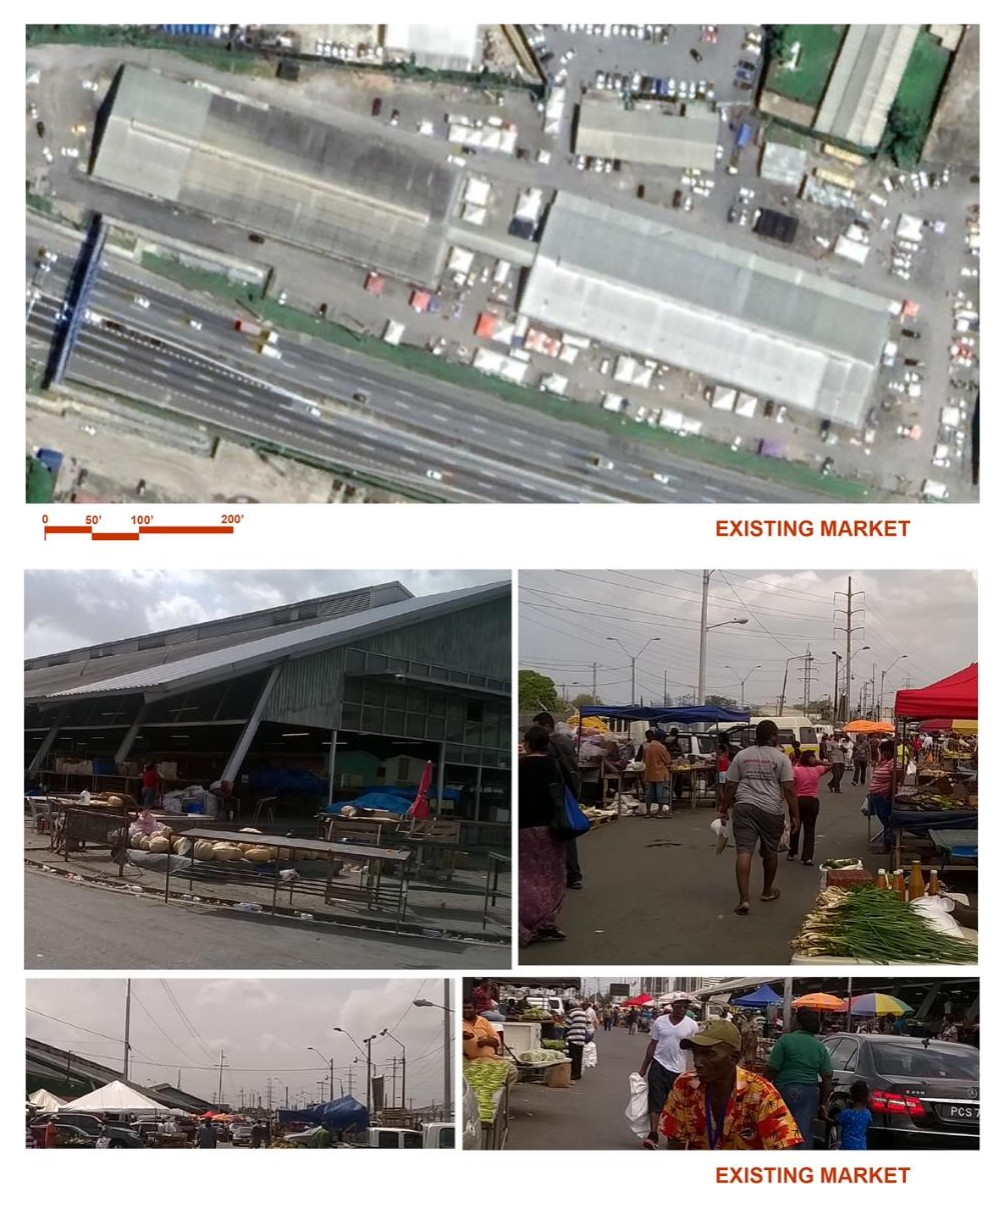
[{"x": 959, "y": 1112}]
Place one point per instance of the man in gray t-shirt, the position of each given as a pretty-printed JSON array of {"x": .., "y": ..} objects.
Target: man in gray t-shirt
[{"x": 758, "y": 786}]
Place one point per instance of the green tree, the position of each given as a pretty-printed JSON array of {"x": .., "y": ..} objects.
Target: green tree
[
  {"x": 537, "y": 692},
  {"x": 722, "y": 702},
  {"x": 584, "y": 698},
  {"x": 779, "y": 42},
  {"x": 905, "y": 131}
]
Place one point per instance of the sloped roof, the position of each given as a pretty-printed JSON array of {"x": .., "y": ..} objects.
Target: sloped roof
[{"x": 280, "y": 647}]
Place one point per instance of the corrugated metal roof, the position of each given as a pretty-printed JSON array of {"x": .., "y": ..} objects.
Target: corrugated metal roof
[
  {"x": 647, "y": 286},
  {"x": 265, "y": 651},
  {"x": 299, "y": 179},
  {"x": 640, "y": 135},
  {"x": 864, "y": 82}
]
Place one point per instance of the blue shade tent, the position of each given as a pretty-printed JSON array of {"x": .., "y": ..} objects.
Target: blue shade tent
[
  {"x": 340, "y": 1115},
  {"x": 698, "y": 714},
  {"x": 764, "y": 996}
]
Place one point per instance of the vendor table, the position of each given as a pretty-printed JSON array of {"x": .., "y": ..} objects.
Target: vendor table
[
  {"x": 692, "y": 776},
  {"x": 375, "y": 859},
  {"x": 960, "y": 844},
  {"x": 926, "y": 822},
  {"x": 497, "y": 864},
  {"x": 76, "y": 828}
]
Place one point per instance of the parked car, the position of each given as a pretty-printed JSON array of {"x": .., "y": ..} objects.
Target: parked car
[
  {"x": 240, "y": 1135},
  {"x": 90, "y": 1125},
  {"x": 924, "y": 1093}
]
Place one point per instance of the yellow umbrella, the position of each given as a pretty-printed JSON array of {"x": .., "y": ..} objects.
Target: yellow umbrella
[{"x": 820, "y": 1001}]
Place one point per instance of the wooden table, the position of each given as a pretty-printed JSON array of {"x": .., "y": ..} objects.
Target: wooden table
[{"x": 375, "y": 860}]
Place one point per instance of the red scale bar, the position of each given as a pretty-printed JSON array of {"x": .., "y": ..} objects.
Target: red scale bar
[
  {"x": 186, "y": 529},
  {"x": 67, "y": 529},
  {"x": 114, "y": 536}
]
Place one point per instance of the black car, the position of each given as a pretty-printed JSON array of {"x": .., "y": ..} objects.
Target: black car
[
  {"x": 924, "y": 1093},
  {"x": 824, "y": 428},
  {"x": 119, "y": 1135},
  {"x": 40, "y": 129},
  {"x": 696, "y": 56},
  {"x": 910, "y": 334}
]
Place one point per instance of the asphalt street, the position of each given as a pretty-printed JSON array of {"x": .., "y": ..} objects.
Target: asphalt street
[
  {"x": 654, "y": 891},
  {"x": 70, "y": 926},
  {"x": 486, "y": 450},
  {"x": 590, "y": 1114}
]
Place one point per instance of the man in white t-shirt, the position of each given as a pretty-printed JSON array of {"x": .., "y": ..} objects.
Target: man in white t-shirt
[{"x": 664, "y": 1061}]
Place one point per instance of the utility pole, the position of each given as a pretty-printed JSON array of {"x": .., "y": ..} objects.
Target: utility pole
[
  {"x": 125, "y": 1054},
  {"x": 219, "y": 1092},
  {"x": 874, "y": 713},
  {"x": 808, "y": 674},
  {"x": 268, "y": 1100},
  {"x": 846, "y": 611},
  {"x": 447, "y": 1050},
  {"x": 393, "y": 1080},
  {"x": 665, "y": 686},
  {"x": 594, "y": 682},
  {"x": 702, "y": 661}
]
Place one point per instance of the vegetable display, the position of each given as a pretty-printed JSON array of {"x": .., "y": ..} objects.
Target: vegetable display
[
  {"x": 535, "y": 1014},
  {"x": 555, "y": 1045},
  {"x": 873, "y": 924},
  {"x": 540, "y": 1056},
  {"x": 834, "y": 865},
  {"x": 486, "y": 1078}
]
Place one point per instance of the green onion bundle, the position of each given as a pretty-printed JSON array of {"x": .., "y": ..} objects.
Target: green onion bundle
[
  {"x": 875, "y": 925},
  {"x": 486, "y": 1078}
]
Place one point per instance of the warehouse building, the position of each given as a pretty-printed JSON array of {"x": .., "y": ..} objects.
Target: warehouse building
[
  {"x": 294, "y": 178},
  {"x": 453, "y": 47},
  {"x": 647, "y": 135},
  {"x": 315, "y": 701},
  {"x": 641, "y": 284},
  {"x": 864, "y": 81}
]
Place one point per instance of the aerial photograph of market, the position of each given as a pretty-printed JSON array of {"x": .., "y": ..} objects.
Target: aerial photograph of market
[
  {"x": 725, "y": 1062},
  {"x": 502, "y": 263},
  {"x": 681, "y": 759},
  {"x": 267, "y": 769},
  {"x": 230, "y": 1064}
]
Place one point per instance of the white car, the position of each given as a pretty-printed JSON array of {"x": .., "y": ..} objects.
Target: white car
[
  {"x": 662, "y": 479},
  {"x": 195, "y": 324},
  {"x": 281, "y": 299},
  {"x": 47, "y": 155},
  {"x": 434, "y": 474},
  {"x": 88, "y": 85},
  {"x": 70, "y": 152},
  {"x": 598, "y": 462},
  {"x": 142, "y": 302}
]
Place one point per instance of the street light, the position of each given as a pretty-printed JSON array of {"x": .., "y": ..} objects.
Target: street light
[
  {"x": 881, "y": 698},
  {"x": 330, "y": 1062},
  {"x": 784, "y": 684},
  {"x": 447, "y": 1010},
  {"x": 849, "y": 676},
  {"x": 702, "y": 663},
  {"x": 385, "y": 1034},
  {"x": 369, "y": 1072},
  {"x": 634, "y": 658},
  {"x": 349, "y": 1037},
  {"x": 742, "y": 681}
]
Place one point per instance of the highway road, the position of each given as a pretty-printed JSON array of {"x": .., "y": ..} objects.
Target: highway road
[{"x": 485, "y": 449}]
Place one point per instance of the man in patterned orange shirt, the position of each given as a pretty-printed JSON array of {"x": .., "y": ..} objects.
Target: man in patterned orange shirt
[{"x": 721, "y": 1106}]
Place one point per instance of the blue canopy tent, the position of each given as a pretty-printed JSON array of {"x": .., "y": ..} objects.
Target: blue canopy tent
[
  {"x": 342, "y": 1115},
  {"x": 759, "y": 998},
  {"x": 697, "y": 714}
]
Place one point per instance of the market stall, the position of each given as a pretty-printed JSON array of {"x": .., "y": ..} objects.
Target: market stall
[
  {"x": 694, "y": 772},
  {"x": 944, "y": 797}
]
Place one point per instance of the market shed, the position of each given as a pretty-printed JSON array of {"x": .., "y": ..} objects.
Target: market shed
[
  {"x": 647, "y": 135},
  {"x": 295, "y": 178},
  {"x": 325, "y": 698},
  {"x": 640, "y": 282}
]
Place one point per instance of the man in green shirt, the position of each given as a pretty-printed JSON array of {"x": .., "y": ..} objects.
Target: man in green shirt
[
  {"x": 323, "y": 1137},
  {"x": 799, "y": 1065}
]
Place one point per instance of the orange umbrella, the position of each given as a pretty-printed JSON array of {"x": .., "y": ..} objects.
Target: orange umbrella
[
  {"x": 869, "y": 727},
  {"x": 820, "y": 1001}
]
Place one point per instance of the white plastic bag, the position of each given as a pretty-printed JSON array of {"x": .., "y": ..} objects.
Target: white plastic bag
[
  {"x": 589, "y": 1057},
  {"x": 785, "y": 836},
  {"x": 723, "y": 833},
  {"x": 636, "y": 1111},
  {"x": 911, "y": 773}
]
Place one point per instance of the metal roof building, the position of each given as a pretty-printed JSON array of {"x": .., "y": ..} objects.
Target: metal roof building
[
  {"x": 864, "y": 82},
  {"x": 453, "y": 47},
  {"x": 641, "y": 284},
  {"x": 341, "y": 687},
  {"x": 297, "y": 179},
  {"x": 647, "y": 135}
]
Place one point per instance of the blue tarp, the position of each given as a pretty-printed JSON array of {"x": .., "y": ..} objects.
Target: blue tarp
[
  {"x": 339, "y": 1115},
  {"x": 764, "y": 996},
  {"x": 275, "y": 780},
  {"x": 696, "y": 715},
  {"x": 375, "y": 800},
  {"x": 410, "y": 791}
]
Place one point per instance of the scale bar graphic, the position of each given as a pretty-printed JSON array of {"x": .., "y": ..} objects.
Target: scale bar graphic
[{"x": 140, "y": 530}]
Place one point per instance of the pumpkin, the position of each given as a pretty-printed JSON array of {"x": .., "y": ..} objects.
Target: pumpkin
[
  {"x": 144, "y": 843},
  {"x": 181, "y": 846},
  {"x": 159, "y": 845},
  {"x": 135, "y": 842},
  {"x": 226, "y": 852},
  {"x": 203, "y": 849}
]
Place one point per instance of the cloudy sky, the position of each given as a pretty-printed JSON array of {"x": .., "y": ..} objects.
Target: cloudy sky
[
  {"x": 263, "y": 1026},
  {"x": 566, "y": 618},
  {"x": 65, "y": 609}
]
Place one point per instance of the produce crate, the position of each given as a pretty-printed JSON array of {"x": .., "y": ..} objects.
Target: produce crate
[{"x": 848, "y": 877}]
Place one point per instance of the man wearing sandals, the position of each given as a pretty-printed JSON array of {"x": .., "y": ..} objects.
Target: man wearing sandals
[{"x": 760, "y": 789}]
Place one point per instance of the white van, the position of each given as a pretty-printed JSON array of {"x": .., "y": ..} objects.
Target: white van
[
  {"x": 394, "y": 1137},
  {"x": 439, "y": 1135},
  {"x": 791, "y": 728}
]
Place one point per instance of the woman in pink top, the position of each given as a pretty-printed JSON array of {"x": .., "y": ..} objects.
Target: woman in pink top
[{"x": 808, "y": 772}]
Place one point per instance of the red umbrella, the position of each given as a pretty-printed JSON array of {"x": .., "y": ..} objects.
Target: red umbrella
[
  {"x": 641, "y": 1000},
  {"x": 419, "y": 810}
]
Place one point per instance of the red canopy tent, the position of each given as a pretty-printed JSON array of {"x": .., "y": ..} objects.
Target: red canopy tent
[
  {"x": 642, "y": 999},
  {"x": 956, "y": 696}
]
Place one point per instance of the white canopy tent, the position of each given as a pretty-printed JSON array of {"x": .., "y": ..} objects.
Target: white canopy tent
[
  {"x": 45, "y": 1101},
  {"x": 116, "y": 1096}
]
